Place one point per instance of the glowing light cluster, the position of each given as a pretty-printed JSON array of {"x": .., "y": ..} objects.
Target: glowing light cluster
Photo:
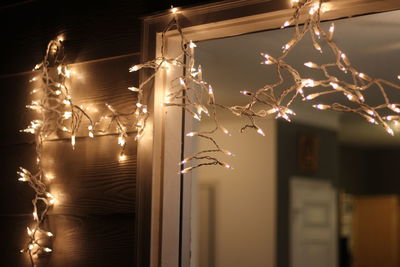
[
  {"x": 189, "y": 92},
  {"x": 271, "y": 98},
  {"x": 58, "y": 114}
]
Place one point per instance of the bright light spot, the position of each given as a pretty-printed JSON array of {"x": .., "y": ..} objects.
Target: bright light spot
[{"x": 122, "y": 157}]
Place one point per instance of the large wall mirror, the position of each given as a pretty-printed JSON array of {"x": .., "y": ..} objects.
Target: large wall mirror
[{"x": 320, "y": 191}]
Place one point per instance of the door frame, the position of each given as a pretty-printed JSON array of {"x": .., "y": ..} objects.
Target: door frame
[{"x": 162, "y": 230}]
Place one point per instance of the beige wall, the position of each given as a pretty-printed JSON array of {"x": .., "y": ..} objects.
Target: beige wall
[{"x": 233, "y": 211}]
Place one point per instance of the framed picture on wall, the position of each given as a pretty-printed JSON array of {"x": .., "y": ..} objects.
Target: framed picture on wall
[{"x": 308, "y": 146}]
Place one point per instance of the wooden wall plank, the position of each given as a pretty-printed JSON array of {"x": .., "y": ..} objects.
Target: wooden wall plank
[{"x": 87, "y": 180}]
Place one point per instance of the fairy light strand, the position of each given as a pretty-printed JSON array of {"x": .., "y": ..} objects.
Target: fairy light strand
[
  {"x": 277, "y": 101},
  {"x": 189, "y": 92},
  {"x": 58, "y": 115}
]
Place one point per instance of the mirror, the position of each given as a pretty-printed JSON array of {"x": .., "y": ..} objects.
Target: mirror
[{"x": 320, "y": 191}]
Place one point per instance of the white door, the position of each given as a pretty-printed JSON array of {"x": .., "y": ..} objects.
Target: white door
[{"x": 313, "y": 223}]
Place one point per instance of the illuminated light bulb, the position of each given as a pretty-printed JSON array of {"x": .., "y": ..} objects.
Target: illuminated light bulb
[
  {"x": 196, "y": 116},
  {"x": 259, "y": 131},
  {"x": 35, "y": 215},
  {"x": 58, "y": 92},
  {"x": 224, "y": 130},
  {"x": 210, "y": 90},
  {"x": 144, "y": 109},
  {"x": 226, "y": 165},
  {"x": 192, "y": 45},
  {"x": 331, "y": 30},
  {"x": 50, "y": 234},
  {"x": 321, "y": 106},
  {"x": 49, "y": 176},
  {"x": 59, "y": 69},
  {"x": 191, "y": 134},
  {"x": 350, "y": 96},
  {"x": 308, "y": 83},
  {"x": 122, "y": 157},
  {"x": 370, "y": 112},
  {"x": 317, "y": 47},
  {"x": 73, "y": 141},
  {"x": 312, "y": 96},
  {"x": 91, "y": 135},
  {"x": 90, "y": 127},
  {"x": 174, "y": 10},
  {"x": 186, "y": 170},
  {"x": 286, "y": 47},
  {"x": 52, "y": 201},
  {"x": 47, "y": 250},
  {"x": 37, "y": 66},
  {"x": 394, "y": 107},
  {"x": 33, "y": 79},
  {"x": 289, "y": 111},
  {"x": 60, "y": 38},
  {"x": 66, "y": 102},
  {"x": 134, "y": 68},
  {"x": 317, "y": 32},
  {"x": 267, "y": 62},
  {"x": 334, "y": 85},
  {"x": 65, "y": 129},
  {"x": 245, "y": 92},
  {"x": 398, "y": 77},
  {"x": 31, "y": 246},
  {"x": 287, "y": 23},
  {"x": 68, "y": 73},
  {"x": 300, "y": 90},
  {"x": 311, "y": 65},
  {"x": 67, "y": 115},
  {"x": 139, "y": 105},
  {"x": 184, "y": 161},
  {"x": 121, "y": 140},
  {"x": 34, "y": 91},
  {"x": 182, "y": 82},
  {"x": 30, "y": 232},
  {"x": 22, "y": 179},
  {"x": 389, "y": 130},
  {"x": 362, "y": 75},
  {"x": 134, "y": 89},
  {"x": 312, "y": 10}
]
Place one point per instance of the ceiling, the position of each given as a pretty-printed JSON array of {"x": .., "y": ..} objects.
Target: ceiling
[{"x": 371, "y": 42}]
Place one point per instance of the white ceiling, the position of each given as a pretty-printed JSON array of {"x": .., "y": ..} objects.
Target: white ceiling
[{"x": 372, "y": 43}]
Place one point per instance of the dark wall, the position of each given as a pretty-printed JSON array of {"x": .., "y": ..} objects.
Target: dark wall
[
  {"x": 366, "y": 170},
  {"x": 328, "y": 169},
  {"x": 94, "y": 220}
]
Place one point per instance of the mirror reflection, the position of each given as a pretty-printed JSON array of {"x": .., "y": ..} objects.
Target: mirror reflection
[{"x": 320, "y": 191}]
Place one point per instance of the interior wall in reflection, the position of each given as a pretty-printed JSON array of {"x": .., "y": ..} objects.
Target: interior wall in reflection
[{"x": 233, "y": 212}]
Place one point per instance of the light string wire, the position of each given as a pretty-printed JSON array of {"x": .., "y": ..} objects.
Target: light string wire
[
  {"x": 58, "y": 115},
  {"x": 276, "y": 101},
  {"x": 189, "y": 92}
]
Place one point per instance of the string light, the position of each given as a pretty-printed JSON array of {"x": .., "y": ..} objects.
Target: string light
[
  {"x": 189, "y": 92},
  {"x": 57, "y": 113},
  {"x": 272, "y": 96}
]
